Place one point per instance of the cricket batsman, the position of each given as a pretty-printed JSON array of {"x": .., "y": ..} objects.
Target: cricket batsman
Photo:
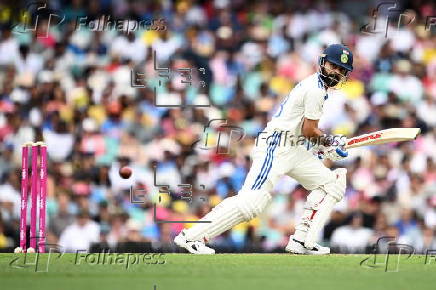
[{"x": 298, "y": 115}]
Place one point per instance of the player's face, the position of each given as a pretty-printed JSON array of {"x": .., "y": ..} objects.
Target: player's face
[
  {"x": 335, "y": 69},
  {"x": 334, "y": 74}
]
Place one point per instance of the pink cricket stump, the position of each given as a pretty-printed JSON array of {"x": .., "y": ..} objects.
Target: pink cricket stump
[
  {"x": 34, "y": 196},
  {"x": 24, "y": 185},
  {"x": 42, "y": 198}
]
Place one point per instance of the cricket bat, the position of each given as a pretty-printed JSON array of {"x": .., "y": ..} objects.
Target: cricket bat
[{"x": 382, "y": 137}]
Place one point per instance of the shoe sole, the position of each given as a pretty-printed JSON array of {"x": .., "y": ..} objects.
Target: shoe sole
[
  {"x": 304, "y": 251},
  {"x": 179, "y": 241},
  {"x": 296, "y": 252},
  {"x": 317, "y": 253}
]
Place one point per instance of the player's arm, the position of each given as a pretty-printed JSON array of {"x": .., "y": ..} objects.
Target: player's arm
[
  {"x": 313, "y": 108},
  {"x": 313, "y": 103},
  {"x": 311, "y": 131},
  {"x": 310, "y": 128}
]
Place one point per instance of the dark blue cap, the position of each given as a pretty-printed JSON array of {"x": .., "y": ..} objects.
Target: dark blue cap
[{"x": 340, "y": 55}]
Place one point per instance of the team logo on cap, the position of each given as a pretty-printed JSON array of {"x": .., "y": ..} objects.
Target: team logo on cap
[{"x": 344, "y": 58}]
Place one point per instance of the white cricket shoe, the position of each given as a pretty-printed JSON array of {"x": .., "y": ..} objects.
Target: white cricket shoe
[
  {"x": 193, "y": 247},
  {"x": 297, "y": 247}
]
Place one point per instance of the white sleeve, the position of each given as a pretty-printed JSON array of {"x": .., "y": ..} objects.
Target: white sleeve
[{"x": 313, "y": 103}]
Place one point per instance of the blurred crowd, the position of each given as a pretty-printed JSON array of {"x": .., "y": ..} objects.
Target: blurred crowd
[{"x": 72, "y": 88}]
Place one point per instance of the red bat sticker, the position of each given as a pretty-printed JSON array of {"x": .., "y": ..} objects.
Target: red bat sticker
[{"x": 358, "y": 140}]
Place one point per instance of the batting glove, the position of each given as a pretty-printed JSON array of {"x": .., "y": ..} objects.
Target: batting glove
[
  {"x": 330, "y": 147},
  {"x": 335, "y": 153}
]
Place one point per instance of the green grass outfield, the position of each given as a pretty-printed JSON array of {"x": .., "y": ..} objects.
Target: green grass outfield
[{"x": 222, "y": 271}]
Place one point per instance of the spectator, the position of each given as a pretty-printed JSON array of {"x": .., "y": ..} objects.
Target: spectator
[
  {"x": 80, "y": 235},
  {"x": 352, "y": 238},
  {"x": 63, "y": 217}
]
